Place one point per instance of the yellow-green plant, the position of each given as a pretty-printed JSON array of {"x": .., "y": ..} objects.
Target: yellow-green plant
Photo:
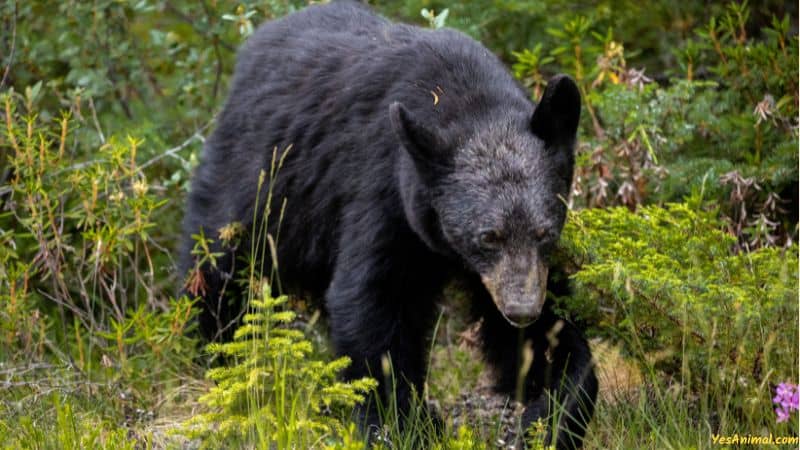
[
  {"x": 276, "y": 394},
  {"x": 464, "y": 439}
]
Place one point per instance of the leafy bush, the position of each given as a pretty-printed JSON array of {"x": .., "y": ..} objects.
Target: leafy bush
[
  {"x": 83, "y": 307},
  {"x": 653, "y": 28},
  {"x": 276, "y": 394},
  {"x": 666, "y": 283},
  {"x": 79, "y": 245},
  {"x": 646, "y": 142}
]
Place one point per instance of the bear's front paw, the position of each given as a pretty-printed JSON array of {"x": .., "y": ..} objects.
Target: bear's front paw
[
  {"x": 378, "y": 427},
  {"x": 536, "y": 423},
  {"x": 367, "y": 418}
]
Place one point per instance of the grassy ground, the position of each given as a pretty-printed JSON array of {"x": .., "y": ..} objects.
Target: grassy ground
[{"x": 55, "y": 406}]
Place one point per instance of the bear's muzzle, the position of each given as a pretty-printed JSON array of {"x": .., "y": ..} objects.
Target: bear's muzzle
[{"x": 518, "y": 287}]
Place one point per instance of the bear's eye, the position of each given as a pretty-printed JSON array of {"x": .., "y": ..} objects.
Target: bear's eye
[{"x": 491, "y": 238}]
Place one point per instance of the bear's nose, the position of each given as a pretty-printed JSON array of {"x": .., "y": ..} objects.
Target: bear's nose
[{"x": 520, "y": 314}]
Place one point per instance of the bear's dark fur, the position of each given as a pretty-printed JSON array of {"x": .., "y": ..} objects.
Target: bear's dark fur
[{"x": 415, "y": 158}]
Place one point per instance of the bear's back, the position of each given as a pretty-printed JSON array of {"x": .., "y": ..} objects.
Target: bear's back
[
  {"x": 346, "y": 42},
  {"x": 321, "y": 81},
  {"x": 305, "y": 39}
]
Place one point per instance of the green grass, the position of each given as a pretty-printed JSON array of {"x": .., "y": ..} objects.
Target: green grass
[{"x": 57, "y": 408}]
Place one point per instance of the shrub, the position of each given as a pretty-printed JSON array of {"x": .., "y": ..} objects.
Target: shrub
[
  {"x": 83, "y": 312},
  {"x": 667, "y": 283},
  {"x": 276, "y": 393},
  {"x": 728, "y": 116},
  {"x": 79, "y": 245},
  {"x": 653, "y": 28}
]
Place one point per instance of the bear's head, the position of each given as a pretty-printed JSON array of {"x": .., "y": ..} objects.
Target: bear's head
[{"x": 494, "y": 198}]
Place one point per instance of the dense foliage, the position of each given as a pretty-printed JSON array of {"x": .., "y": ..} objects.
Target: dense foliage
[
  {"x": 681, "y": 239},
  {"x": 648, "y": 142},
  {"x": 666, "y": 282}
]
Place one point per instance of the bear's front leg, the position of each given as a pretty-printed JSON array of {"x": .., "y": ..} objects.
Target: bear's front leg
[
  {"x": 561, "y": 379},
  {"x": 560, "y": 383},
  {"x": 381, "y": 312}
]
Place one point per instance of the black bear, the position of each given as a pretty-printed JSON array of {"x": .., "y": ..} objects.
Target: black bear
[{"x": 415, "y": 158}]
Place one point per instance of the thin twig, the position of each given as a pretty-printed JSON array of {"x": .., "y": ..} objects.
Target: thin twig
[
  {"x": 169, "y": 152},
  {"x": 13, "y": 47},
  {"x": 17, "y": 371},
  {"x": 218, "y": 55},
  {"x": 198, "y": 135},
  {"x": 96, "y": 122},
  {"x": 218, "y": 74}
]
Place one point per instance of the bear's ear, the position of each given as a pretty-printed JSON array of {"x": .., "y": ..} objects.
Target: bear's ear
[
  {"x": 555, "y": 119},
  {"x": 418, "y": 140}
]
